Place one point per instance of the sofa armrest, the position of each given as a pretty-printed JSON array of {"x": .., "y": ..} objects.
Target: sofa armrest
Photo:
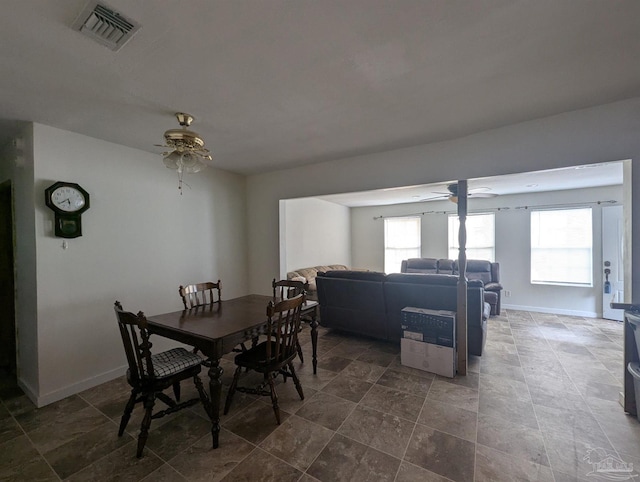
[
  {"x": 495, "y": 272},
  {"x": 493, "y": 287}
]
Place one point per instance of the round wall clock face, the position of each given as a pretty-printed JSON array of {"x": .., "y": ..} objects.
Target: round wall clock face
[{"x": 68, "y": 199}]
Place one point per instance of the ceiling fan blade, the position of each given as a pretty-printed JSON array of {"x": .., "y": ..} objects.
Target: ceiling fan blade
[
  {"x": 479, "y": 189},
  {"x": 435, "y": 198},
  {"x": 482, "y": 194}
]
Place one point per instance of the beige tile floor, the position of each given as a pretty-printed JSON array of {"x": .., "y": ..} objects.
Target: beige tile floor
[{"x": 541, "y": 404}]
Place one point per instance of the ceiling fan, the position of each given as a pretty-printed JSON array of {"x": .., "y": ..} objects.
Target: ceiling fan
[
  {"x": 186, "y": 151},
  {"x": 452, "y": 194}
]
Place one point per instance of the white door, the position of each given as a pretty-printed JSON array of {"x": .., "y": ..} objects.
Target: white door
[{"x": 612, "y": 261}]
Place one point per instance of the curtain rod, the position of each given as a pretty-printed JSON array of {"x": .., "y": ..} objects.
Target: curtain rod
[
  {"x": 543, "y": 206},
  {"x": 551, "y": 206}
]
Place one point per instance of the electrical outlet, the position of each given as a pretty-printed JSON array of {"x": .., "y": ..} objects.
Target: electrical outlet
[{"x": 507, "y": 293}]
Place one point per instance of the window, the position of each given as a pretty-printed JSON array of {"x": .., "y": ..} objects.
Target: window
[
  {"x": 481, "y": 235},
  {"x": 561, "y": 247},
  {"x": 401, "y": 241}
]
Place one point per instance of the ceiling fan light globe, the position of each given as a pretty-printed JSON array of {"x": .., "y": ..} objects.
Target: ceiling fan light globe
[
  {"x": 188, "y": 160},
  {"x": 194, "y": 168},
  {"x": 173, "y": 160}
]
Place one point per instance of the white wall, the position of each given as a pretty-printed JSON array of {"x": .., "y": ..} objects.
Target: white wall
[
  {"x": 599, "y": 134},
  {"x": 313, "y": 232},
  {"x": 141, "y": 240},
  {"x": 512, "y": 244}
]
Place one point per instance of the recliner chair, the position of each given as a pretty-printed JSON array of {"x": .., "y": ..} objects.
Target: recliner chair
[{"x": 477, "y": 269}]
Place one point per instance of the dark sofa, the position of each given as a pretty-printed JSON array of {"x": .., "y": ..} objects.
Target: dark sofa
[
  {"x": 477, "y": 269},
  {"x": 370, "y": 303}
]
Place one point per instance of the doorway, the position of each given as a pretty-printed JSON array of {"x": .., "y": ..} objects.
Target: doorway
[{"x": 7, "y": 292}]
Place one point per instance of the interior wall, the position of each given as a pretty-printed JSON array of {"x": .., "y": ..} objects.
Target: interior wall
[
  {"x": 600, "y": 134},
  {"x": 141, "y": 240},
  {"x": 512, "y": 244},
  {"x": 16, "y": 163},
  {"x": 632, "y": 264},
  {"x": 313, "y": 233}
]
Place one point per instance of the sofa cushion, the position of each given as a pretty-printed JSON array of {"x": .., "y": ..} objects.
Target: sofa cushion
[
  {"x": 447, "y": 266},
  {"x": 335, "y": 267},
  {"x": 478, "y": 269},
  {"x": 421, "y": 265}
]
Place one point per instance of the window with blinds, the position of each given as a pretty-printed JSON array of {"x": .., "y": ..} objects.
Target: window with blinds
[
  {"x": 561, "y": 247},
  {"x": 481, "y": 236},
  {"x": 401, "y": 241}
]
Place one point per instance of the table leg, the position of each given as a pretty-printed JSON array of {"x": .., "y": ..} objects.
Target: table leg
[
  {"x": 215, "y": 372},
  {"x": 314, "y": 340}
]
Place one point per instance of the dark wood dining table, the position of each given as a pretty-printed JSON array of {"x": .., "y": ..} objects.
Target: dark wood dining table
[{"x": 216, "y": 329}]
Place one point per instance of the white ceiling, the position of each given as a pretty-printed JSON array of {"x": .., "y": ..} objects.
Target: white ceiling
[
  {"x": 591, "y": 175},
  {"x": 279, "y": 83}
]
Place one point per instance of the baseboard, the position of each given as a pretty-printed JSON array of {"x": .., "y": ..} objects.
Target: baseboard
[
  {"x": 28, "y": 390},
  {"x": 69, "y": 390},
  {"x": 556, "y": 311}
]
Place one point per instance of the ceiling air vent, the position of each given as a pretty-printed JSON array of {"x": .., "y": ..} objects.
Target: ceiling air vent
[{"x": 105, "y": 26}]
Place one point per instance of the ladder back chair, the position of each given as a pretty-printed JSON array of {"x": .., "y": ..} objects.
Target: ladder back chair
[
  {"x": 285, "y": 289},
  {"x": 200, "y": 294},
  {"x": 274, "y": 356},
  {"x": 203, "y": 294},
  {"x": 150, "y": 374}
]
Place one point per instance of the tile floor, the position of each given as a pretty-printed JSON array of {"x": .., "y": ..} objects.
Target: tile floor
[{"x": 541, "y": 404}]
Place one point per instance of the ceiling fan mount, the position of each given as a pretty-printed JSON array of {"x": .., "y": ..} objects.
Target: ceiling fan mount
[{"x": 452, "y": 194}]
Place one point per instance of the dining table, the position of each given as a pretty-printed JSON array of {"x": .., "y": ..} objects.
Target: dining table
[{"x": 216, "y": 329}]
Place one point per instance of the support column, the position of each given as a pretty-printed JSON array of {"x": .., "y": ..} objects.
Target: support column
[{"x": 461, "y": 312}]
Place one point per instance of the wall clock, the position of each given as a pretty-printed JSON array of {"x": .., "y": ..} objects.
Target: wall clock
[{"x": 68, "y": 201}]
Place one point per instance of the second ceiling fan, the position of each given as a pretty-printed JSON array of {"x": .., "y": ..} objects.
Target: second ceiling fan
[{"x": 452, "y": 194}]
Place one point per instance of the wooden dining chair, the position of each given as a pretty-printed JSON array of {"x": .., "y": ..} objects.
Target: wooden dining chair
[
  {"x": 285, "y": 289},
  {"x": 149, "y": 375},
  {"x": 200, "y": 294},
  {"x": 203, "y": 294},
  {"x": 274, "y": 356}
]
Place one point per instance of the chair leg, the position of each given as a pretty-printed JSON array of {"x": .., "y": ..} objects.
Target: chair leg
[
  {"x": 296, "y": 381},
  {"x": 176, "y": 390},
  {"x": 274, "y": 396},
  {"x": 299, "y": 350},
  {"x": 149, "y": 401},
  {"x": 127, "y": 412},
  {"x": 232, "y": 390},
  {"x": 204, "y": 398}
]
